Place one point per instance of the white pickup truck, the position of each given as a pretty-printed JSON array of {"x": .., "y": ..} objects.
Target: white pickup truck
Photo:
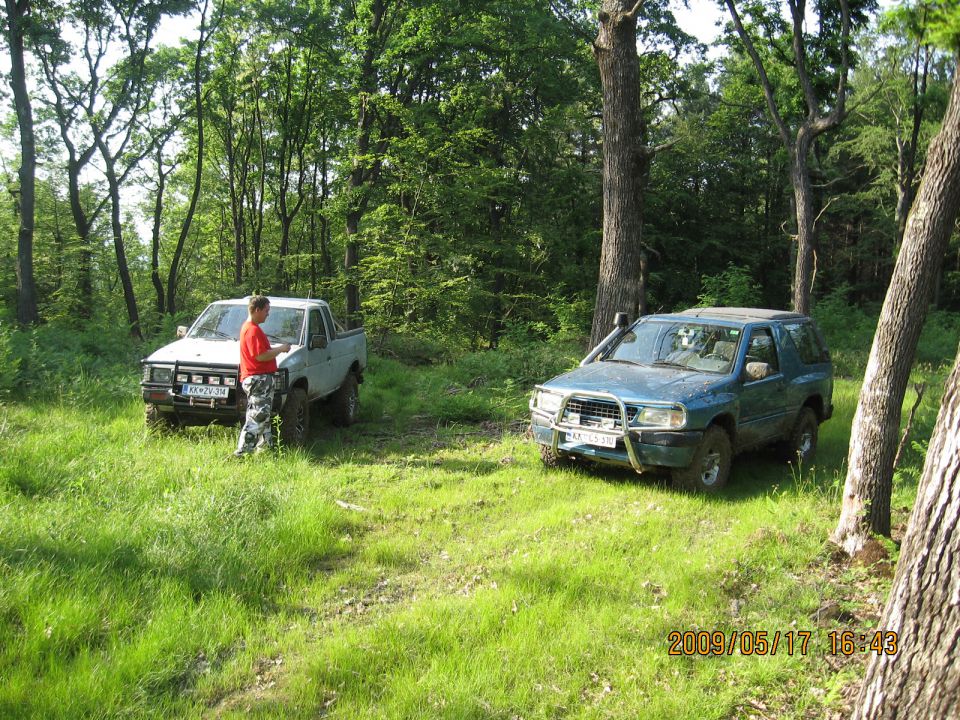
[{"x": 195, "y": 381}]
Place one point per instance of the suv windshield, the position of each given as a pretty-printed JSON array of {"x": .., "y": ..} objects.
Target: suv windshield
[
  {"x": 692, "y": 345},
  {"x": 223, "y": 322}
]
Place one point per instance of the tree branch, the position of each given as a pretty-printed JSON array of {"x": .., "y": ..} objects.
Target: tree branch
[{"x": 761, "y": 71}]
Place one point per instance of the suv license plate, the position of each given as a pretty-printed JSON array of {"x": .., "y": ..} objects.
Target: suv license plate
[
  {"x": 590, "y": 438},
  {"x": 209, "y": 391}
]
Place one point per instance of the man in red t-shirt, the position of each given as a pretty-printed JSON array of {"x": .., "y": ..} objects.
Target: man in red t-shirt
[{"x": 258, "y": 363}]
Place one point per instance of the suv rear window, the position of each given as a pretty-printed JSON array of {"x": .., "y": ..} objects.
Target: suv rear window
[{"x": 805, "y": 340}]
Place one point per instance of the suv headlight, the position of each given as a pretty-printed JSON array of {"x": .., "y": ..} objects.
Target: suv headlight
[
  {"x": 661, "y": 417},
  {"x": 548, "y": 402}
]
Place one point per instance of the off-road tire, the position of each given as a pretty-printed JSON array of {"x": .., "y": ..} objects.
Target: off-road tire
[
  {"x": 159, "y": 423},
  {"x": 553, "y": 460},
  {"x": 346, "y": 402},
  {"x": 801, "y": 446},
  {"x": 295, "y": 418},
  {"x": 710, "y": 468}
]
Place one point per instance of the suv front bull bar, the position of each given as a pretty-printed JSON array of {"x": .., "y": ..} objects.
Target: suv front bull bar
[{"x": 557, "y": 425}]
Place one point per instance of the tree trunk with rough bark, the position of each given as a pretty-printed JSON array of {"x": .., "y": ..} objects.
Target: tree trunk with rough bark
[
  {"x": 873, "y": 438},
  {"x": 922, "y": 680},
  {"x": 625, "y": 161},
  {"x": 17, "y": 11}
]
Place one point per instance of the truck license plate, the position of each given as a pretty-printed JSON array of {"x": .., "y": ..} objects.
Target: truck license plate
[
  {"x": 214, "y": 391},
  {"x": 589, "y": 438}
]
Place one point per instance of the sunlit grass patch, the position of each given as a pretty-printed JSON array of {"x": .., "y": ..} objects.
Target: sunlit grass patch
[{"x": 422, "y": 563}]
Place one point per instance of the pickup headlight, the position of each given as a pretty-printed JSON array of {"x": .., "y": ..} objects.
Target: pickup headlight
[
  {"x": 661, "y": 417},
  {"x": 547, "y": 402},
  {"x": 158, "y": 374}
]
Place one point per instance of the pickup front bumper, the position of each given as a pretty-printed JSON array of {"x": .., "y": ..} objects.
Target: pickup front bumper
[
  {"x": 189, "y": 409},
  {"x": 633, "y": 447}
]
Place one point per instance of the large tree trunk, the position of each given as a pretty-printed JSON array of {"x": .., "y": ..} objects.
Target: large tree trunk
[
  {"x": 922, "y": 680},
  {"x": 624, "y": 163},
  {"x": 873, "y": 438},
  {"x": 27, "y": 313}
]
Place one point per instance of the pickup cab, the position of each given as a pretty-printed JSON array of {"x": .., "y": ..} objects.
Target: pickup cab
[
  {"x": 195, "y": 380},
  {"x": 686, "y": 391}
]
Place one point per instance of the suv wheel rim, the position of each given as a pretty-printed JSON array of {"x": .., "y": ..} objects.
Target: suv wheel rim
[
  {"x": 805, "y": 445},
  {"x": 711, "y": 468},
  {"x": 352, "y": 404}
]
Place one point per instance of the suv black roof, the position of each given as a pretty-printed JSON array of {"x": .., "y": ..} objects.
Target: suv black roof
[{"x": 741, "y": 314}]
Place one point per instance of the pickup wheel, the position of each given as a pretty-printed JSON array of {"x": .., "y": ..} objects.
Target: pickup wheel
[
  {"x": 553, "y": 460},
  {"x": 710, "y": 468},
  {"x": 346, "y": 402},
  {"x": 801, "y": 446},
  {"x": 295, "y": 418},
  {"x": 159, "y": 423}
]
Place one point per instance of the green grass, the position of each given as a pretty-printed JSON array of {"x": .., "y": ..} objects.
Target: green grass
[{"x": 156, "y": 577}]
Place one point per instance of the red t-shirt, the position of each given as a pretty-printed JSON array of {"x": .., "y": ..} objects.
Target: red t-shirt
[{"x": 252, "y": 343}]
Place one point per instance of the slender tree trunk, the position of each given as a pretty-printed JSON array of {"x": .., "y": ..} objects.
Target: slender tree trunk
[
  {"x": 351, "y": 262},
  {"x": 907, "y": 149},
  {"x": 624, "y": 161},
  {"x": 922, "y": 680},
  {"x": 133, "y": 315},
  {"x": 27, "y": 313},
  {"x": 198, "y": 172},
  {"x": 798, "y": 144},
  {"x": 155, "y": 236},
  {"x": 873, "y": 438},
  {"x": 803, "y": 197}
]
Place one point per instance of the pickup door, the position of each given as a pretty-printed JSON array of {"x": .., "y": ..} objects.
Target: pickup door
[
  {"x": 342, "y": 351},
  {"x": 320, "y": 372},
  {"x": 763, "y": 403}
]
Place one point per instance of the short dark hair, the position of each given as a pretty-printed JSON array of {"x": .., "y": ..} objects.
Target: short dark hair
[{"x": 258, "y": 302}]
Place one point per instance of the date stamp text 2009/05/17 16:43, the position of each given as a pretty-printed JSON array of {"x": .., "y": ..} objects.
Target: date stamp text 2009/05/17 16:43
[{"x": 763, "y": 642}]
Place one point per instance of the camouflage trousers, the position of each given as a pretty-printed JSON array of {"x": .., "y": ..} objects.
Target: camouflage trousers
[{"x": 257, "y": 431}]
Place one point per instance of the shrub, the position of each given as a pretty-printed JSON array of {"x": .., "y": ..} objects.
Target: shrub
[{"x": 731, "y": 288}]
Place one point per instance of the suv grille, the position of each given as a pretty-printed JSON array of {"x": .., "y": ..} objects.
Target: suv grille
[{"x": 593, "y": 412}]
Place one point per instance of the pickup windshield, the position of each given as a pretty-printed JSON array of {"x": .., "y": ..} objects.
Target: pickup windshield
[
  {"x": 223, "y": 322},
  {"x": 694, "y": 346}
]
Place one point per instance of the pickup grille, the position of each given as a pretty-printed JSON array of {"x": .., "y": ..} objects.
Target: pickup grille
[
  {"x": 593, "y": 412},
  {"x": 224, "y": 376}
]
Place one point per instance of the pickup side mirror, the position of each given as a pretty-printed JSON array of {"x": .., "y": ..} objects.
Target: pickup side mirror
[
  {"x": 181, "y": 331},
  {"x": 620, "y": 320},
  {"x": 318, "y": 341},
  {"x": 757, "y": 371}
]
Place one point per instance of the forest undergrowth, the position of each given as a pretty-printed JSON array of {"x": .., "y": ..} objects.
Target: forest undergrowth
[{"x": 419, "y": 564}]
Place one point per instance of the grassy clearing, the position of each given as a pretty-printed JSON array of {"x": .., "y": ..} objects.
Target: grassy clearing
[{"x": 421, "y": 564}]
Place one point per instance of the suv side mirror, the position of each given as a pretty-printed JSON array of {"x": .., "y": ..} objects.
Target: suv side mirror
[
  {"x": 620, "y": 320},
  {"x": 757, "y": 371},
  {"x": 318, "y": 341},
  {"x": 181, "y": 331}
]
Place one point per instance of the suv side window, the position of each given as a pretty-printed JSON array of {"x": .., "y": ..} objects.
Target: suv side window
[
  {"x": 763, "y": 349},
  {"x": 805, "y": 340}
]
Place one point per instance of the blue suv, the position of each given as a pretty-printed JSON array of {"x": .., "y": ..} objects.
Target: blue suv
[{"x": 685, "y": 391}]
